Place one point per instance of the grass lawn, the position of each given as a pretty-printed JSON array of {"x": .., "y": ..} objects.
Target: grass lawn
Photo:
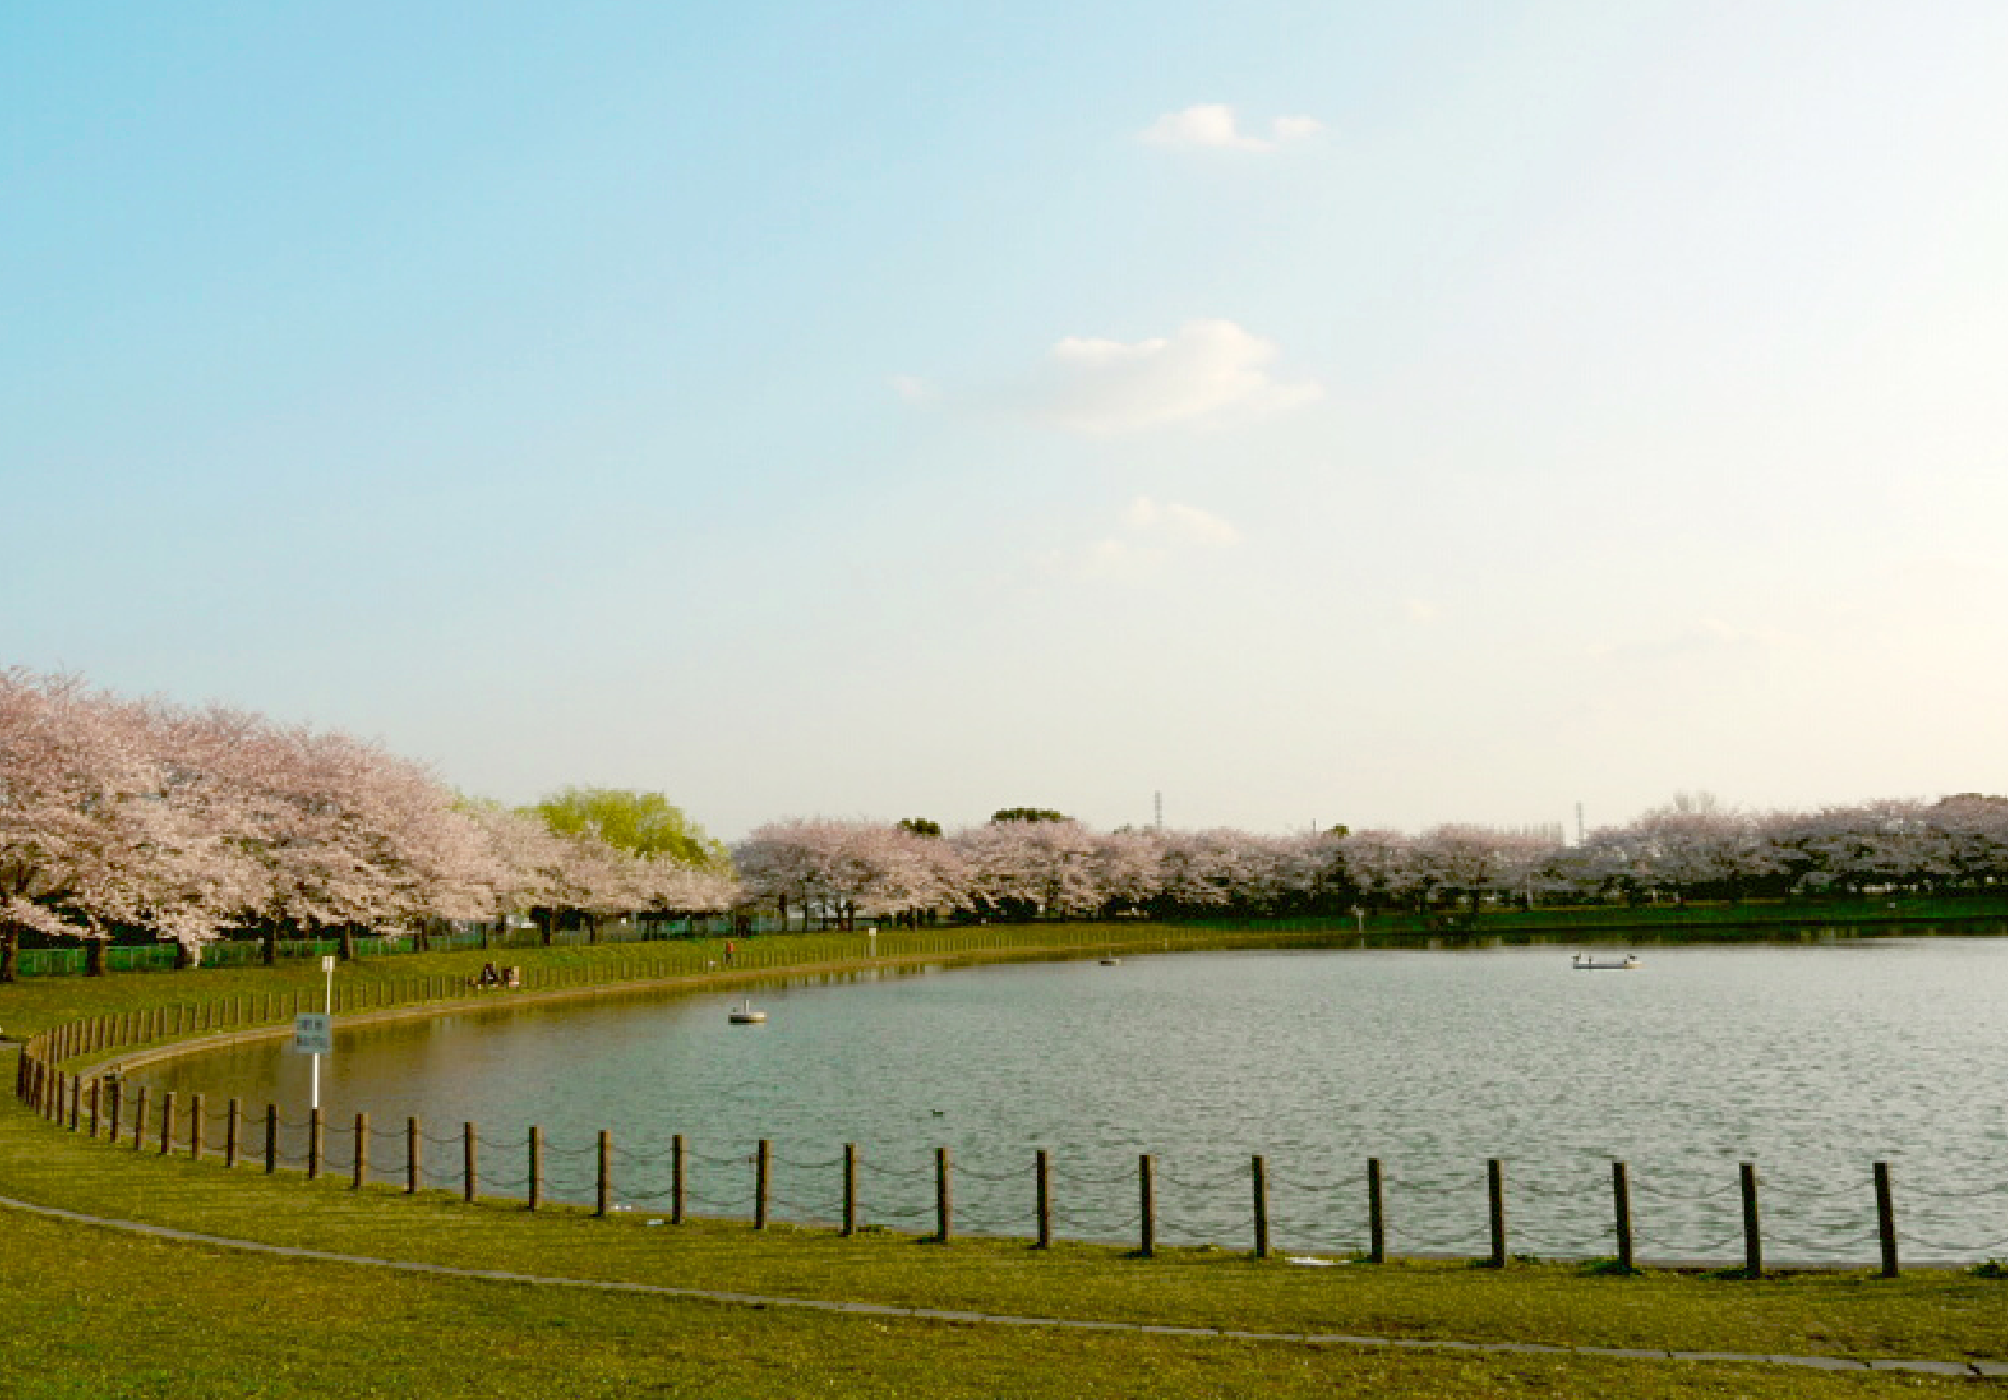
[
  {"x": 95, "y": 1313},
  {"x": 133, "y": 1318}
]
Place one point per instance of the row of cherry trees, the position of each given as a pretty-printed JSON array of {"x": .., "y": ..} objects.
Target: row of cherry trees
[
  {"x": 120, "y": 814},
  {"x": 135, "y": 814},
  {"x": 832, "y": 871}
]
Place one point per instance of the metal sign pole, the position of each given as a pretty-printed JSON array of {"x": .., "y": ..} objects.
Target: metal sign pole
[
  {"x": 313, "y": 1032},
  {"x": 327, "y": 1009}
]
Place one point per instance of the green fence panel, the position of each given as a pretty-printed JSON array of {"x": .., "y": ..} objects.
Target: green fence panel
[{"x": 50, "y": 962}]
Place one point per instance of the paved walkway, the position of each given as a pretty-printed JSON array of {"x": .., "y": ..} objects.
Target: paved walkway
[{"x": 1967, "y": 1369}]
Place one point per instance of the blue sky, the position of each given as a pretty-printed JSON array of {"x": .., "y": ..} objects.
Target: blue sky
[{"x": 1380, "y": 414}]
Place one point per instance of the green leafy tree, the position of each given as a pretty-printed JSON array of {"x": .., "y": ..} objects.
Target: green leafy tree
[
  {"x": 641, "y": 823},
  {"x": 1029, "y": 814},
  {"x": 920, "y": 826}
]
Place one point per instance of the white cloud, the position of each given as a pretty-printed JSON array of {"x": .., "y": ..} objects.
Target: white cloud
[
  {"x": 1179, "y": 524},
  {"x": 1212, "y": 126},
  {"x": 1421, "y": 611},
  {"x": 1207, "y": 368},
  {"x": 1116, "y": 557},
  {"x": 1151, "y": 535}
]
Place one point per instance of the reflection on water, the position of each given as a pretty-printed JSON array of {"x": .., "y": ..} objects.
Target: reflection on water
[{"x": 1812, "y": 1059}]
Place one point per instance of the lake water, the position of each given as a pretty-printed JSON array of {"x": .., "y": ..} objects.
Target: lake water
[{"x": 1812, "y": 1060}]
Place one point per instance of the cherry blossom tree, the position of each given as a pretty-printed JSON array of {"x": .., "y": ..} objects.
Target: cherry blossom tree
[
  {"x": 1384, "y": 866},
  {"x": 1127, "y": 868},
  {"x": 835, "y": 870},
  {"x": 680, "y": 889},
  {"x": 1974, "y": 829},
  {"x": 353, "y": 838},
  {"x": 108, "y": 819},
  {"x": 1855, "y": 847},
  {"x": 1471, "y": 862},
  {"x": 66, "y": 772},
  {"x": 1024, "y": 868},
  {"x": 528, "y": 858},
  {"x": 1200, "y": 871}
]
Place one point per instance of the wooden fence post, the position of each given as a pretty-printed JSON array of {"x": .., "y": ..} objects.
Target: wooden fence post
[
  {"x": 1258, "y": 1176},
  {"x": 470, "y": 1162},
  {"x": 414, "y": 1157},
  {"x": 233, "y": 1132},
  {"x": 316, "y": 1142},
  {"x": 197, "y": 1111},
  {"x": 167, "y": 1122},
  {"x": 271, "y": 1138},
  {"x": 944, "y": 1195},
  {"x": 603, "y": 1194},
  {"x": 1376, "y": 1214},
  {"x": 118, "y": 1105},
  {"x": 1042, "y": 1172},
  {"x": 1886, "y": 1221},
  {"x": 1621, "y": 1204},
  {"x": 1753, "y": 1236},
  {"x": 97, "y": 1101},
  {"x": 1495, "y": 1191},
  {"x": 536, "y": 1186},
  {"x": 1146, "y": 1185},
  {"x": 762, "y": 1179},
  {"x": 676, "y": 1179},
  {"x": 361, "y": 1175},
  {"x": 850, "y": 1188}
]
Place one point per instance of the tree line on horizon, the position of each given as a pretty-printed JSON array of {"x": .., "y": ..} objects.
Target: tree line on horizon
[
  {"x": 123, "y": 817},
  {"x": 825, "y": 871}
]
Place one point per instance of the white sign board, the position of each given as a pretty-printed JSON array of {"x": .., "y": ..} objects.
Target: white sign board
[{"x": 314, "y": 1033}]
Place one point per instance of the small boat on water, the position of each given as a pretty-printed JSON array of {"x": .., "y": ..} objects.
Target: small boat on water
[
  {"x": 1587, "y": 962},
  {"x": 1112, "y": 962},
  {"x": 746, "y": 1014}
]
